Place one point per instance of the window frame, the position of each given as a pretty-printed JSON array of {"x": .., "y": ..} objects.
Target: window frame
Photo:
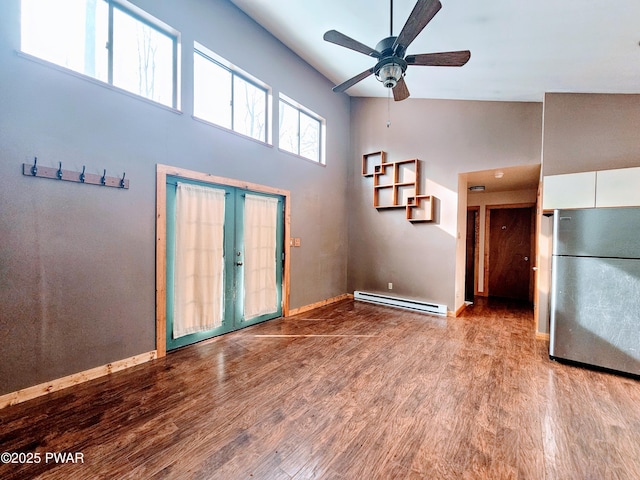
[
  {"x": 300, "y": 109},
  {"x": 235, "y": 72},
  {"x": 146, "y": 19}
]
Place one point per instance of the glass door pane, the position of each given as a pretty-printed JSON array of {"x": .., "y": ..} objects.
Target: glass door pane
[{"x": 260, "y": 256}]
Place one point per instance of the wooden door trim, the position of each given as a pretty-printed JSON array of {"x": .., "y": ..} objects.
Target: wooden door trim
[
  {"x": 476, "y": 252},
  {"x": 487, "y": 231},
  {"x": 161, "y": 238},
  {"x": 536, "y": 272}
]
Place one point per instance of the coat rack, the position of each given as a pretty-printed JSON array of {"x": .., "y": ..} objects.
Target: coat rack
[{"x": 71, "y": 176}]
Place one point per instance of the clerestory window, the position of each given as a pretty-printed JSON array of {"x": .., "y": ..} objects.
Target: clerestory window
[
  {"x": 301, "y": 131},
  {"x": 110, "y": 40},
  {"x": 226, "y": 96}
]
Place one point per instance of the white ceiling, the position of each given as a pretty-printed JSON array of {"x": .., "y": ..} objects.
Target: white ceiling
[
  {"x": 519, "y": 49},
  {"x": 523, "y": 177}
]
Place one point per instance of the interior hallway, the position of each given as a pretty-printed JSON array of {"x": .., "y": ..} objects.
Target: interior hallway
[{"x": 346, "y": 391}]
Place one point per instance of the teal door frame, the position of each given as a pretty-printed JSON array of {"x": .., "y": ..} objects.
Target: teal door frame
[
  {"x": 165, "y": 243},
  {"x": 239, "y": 271}
]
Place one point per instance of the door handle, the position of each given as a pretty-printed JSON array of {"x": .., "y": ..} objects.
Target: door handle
[{"x": 239, "y": 264}]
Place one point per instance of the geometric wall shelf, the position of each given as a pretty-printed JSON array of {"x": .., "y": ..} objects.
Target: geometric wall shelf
[
  {"x": 421, "y": 208},
  {"x": 395, "y": 183},
  {"x": 370, "y": 160}
]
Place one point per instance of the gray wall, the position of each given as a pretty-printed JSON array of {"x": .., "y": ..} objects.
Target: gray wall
[
  {"x": 583, "y": 132},
  {"x": 77, "y": 262},
  {"x": 450, "y": 137},
  {"x": 586, "y": 132}
]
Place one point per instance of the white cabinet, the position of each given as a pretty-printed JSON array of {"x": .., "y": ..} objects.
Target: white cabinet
[
  {"x": 604, "y": 188},
  {"x": 572, "y": 190},
  {"x": 618, "y": 188}
]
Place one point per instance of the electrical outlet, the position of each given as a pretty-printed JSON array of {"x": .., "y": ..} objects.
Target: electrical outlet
[
  {"x": 390, "y": 286},
  {"x": 296, "y": 242}
]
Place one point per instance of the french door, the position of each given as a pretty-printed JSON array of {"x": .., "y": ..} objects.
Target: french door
[{"x": 225, "y": 255}]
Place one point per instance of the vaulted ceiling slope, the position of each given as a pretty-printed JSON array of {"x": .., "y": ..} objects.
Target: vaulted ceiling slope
[{"x": 519, "y": 50}]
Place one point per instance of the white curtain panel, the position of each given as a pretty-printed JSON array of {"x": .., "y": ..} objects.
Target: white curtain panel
[
  {"x": 260, "y": 221},
  {"x": 199, "y": 269}
]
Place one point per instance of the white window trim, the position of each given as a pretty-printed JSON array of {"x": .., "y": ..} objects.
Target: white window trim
[
  {"x": 168, "y": 30},
  {"x": 237, "y": 71},
  {"x": 322, "y": 159},
  {"x": 155, "y": 23}
]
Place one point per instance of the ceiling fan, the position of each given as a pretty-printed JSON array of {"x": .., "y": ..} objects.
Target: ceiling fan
[{"x": 390, "y": 51}]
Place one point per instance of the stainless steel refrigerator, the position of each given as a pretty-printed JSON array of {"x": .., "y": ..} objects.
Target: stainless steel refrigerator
[{"x": 595, "y": 288}]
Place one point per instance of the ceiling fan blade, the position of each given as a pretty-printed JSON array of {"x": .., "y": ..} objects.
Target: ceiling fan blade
[
  {"x": 443, "y": 59},
  {"x": 352, "y": 81},
  {"x": 400, "y": 91},
  {"x": 421, "y": 14},
  {"x": 333, "y": 36}
]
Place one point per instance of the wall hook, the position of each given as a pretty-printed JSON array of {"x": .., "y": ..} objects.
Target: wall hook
[{"x": 81, "y": 176}]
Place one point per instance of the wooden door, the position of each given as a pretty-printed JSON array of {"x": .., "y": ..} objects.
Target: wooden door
[{"x": 510, "y": 252}]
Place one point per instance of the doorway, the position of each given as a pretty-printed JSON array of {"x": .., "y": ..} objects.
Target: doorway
[
  {"x": 471, "y": 264},
  {"x": 232, "y": 253},
  {"x": 509, "y": 261},
  {"x": 225, "y": 273}
]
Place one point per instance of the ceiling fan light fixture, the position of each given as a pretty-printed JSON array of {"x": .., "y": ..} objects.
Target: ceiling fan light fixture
[
  {"x": 390, "y": 52},
  {"x": 389, "y": 74}
]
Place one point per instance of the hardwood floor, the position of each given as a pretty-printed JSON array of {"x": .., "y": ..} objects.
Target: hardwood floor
[{"x": 347, "y": 391}]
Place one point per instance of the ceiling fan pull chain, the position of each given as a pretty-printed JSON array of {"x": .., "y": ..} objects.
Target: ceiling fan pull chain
[{"x": 388, "y": 108}]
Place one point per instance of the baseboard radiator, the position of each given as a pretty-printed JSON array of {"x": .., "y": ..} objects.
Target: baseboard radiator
[{"x": 407, "y": 303}]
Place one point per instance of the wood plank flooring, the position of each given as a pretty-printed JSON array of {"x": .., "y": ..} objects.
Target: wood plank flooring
[{"x": 347, "y": 391}]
